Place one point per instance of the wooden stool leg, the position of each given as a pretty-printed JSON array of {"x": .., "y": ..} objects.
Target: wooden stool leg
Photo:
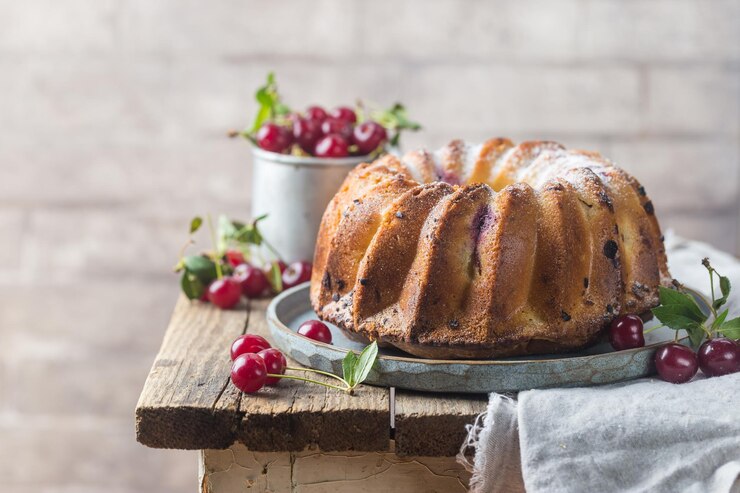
[{"x": 238, "y": 469}]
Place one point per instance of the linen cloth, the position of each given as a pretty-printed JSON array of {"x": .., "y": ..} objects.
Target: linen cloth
[{"x": 640, "y": 436}]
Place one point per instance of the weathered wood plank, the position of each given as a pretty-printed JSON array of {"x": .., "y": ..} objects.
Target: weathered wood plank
[
  {"x": 296, "y": 415},
  {"x": 237, "y": 469},
  {"x": 431, "y": 425},
  {"x": 188, "y": 402},
  {"x": 176, "y": 408}
]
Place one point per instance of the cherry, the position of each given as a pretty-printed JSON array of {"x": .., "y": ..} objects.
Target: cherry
[
  {"x": 316, "y": 113},
  {"x": 224, "y": 292},
  {"x": 306, "y": 133},
  {"x": 274, "y": 138},
  {"x": 252, "y": 280},
  {"x": 316, "y": 330},
  {"x": 368, "y": 136},
  {"x": 332, "y": 146},
  {"x": 335, "y": 126},
  {"x": 344, "y": 113},
  {"x": 676, "y": 363},
  {"x": 248, "y": 372},
  {"x": 625, "y": 332},
  {"x": 296, "y": 273},
  {"x": 234, "y": 257},
  {"x": 282, "y": 266},
  {"x": 248, "y": 343},
  {"x": 720, "y": 356},
  {"x": 275, "y": 363}
]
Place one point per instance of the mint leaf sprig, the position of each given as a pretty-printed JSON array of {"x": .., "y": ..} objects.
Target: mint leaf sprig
[
  {"x": 678, "y": 310},
  {"x": 355, "y": 370}
]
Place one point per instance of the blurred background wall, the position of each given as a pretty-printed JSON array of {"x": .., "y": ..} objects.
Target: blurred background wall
[{"x": 113, "y": 117}]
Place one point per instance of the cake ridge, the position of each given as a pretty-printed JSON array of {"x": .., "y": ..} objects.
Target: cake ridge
[{"x": 487, "y": 250}]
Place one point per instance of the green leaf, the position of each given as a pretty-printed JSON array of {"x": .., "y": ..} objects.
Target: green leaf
[
  {"x": 724, "y": 286},
  {"x": 720, "y": 319},
  {"x": 269, "y": 103},
  {"x": 195, "y": 224},
  {"x": 674, "y": 317},
  {"x": 275, "y": 277},
  {"x": 348, "y": 368},
  {"x": 681, "y": 303},
  {"x": 696, "y": 335},
  {"x": 201, "y": 267},
  {"x": 248, "y": 234},
  {"x": 731, "y": 328},
  {"x": 365, "y": 363},
  {"x": 191, "y": 286}
]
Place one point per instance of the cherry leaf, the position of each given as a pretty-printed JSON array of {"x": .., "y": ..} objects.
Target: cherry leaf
[
  {"x": 724, "y": 286},
  {"x": 682, "y": 304},
  {"x": 191, "y": 286},
  {"x": 201, "y": 267},
  {"x": 195, "y": 224},
  {"x": 275, "y": 277},
  {"x": 348, "y": 368},
  {"x": 365, "y": 362},
  {"x": 720, "y": 319},
  {"x": 731, "y": 328}
]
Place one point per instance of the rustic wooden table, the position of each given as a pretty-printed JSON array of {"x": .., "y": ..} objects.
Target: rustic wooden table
[{"x": 296, "y": 436}]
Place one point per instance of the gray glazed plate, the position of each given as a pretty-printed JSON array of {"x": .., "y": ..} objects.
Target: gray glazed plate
[{"x": 596, "y": 365}]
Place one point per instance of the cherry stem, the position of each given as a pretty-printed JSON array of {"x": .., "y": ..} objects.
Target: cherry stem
[
  {"x": 185, "y": 247},
  {"x": 325, "y": 373},
  {"x": 302, "y": 379},
  {"x": 652, "y": 329},
  {"x": 216, "y": 259},
  {"x": 272, "y": 249}
]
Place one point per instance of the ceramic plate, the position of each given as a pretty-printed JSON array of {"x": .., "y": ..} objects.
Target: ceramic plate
[{"x": 596, "y": 365}]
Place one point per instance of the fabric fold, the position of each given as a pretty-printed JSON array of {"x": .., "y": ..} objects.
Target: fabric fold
[{"x": 640, "y": 436}]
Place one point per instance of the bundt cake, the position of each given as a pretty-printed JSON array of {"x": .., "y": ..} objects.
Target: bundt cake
[{"x": 485, "y": 251}]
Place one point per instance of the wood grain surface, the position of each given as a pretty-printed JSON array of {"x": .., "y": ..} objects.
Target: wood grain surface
[{"x": 188, "y": 401}]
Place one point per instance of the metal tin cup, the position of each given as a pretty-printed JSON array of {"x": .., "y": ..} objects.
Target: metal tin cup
[{"x": 294, "y": 192}]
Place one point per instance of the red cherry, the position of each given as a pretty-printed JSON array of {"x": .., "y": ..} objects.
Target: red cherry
[
  {"x": 719, "y": 356},
  {"x": 332, "y": 146},
  {"x": 296, "y": 273},
  {"x": 248, "y": 372},
  {"x": 625, "y": 332},
  {"x": 248, "y": 343},
  {"x": 252, "y": 280},
  {"x": 334, "y": 126},
  {"x": 676, "y": 363},
  {"x": 275, "y": 363},
  {"x": 316, "y": 113},
  {"x": 234, "y": 257},
  {"x": 306, "y": 133},
  {"x": 274, "y": 138},
  {"x": 368, "y": 136},
  {"x": 225, "y": 292},
  {"x": 344, "y": 113},
  {"x": 316, "y": 330},
  {"x": 282, "y": 266}
]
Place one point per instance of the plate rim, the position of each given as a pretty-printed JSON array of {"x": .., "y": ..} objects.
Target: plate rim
[{"x": 272, "y": 317}]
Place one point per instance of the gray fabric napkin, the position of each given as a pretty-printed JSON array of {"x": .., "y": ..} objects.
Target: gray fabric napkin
[{"x": 641, "y": 436}]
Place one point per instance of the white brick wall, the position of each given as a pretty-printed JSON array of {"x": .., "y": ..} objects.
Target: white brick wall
[{"x": 112, "y": 123}]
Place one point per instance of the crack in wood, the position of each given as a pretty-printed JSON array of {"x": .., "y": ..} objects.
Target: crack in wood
[{"x": 228, "y": 379}]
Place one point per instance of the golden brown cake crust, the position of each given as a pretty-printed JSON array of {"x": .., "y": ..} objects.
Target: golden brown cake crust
[{"x": 487, "y": 251}]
